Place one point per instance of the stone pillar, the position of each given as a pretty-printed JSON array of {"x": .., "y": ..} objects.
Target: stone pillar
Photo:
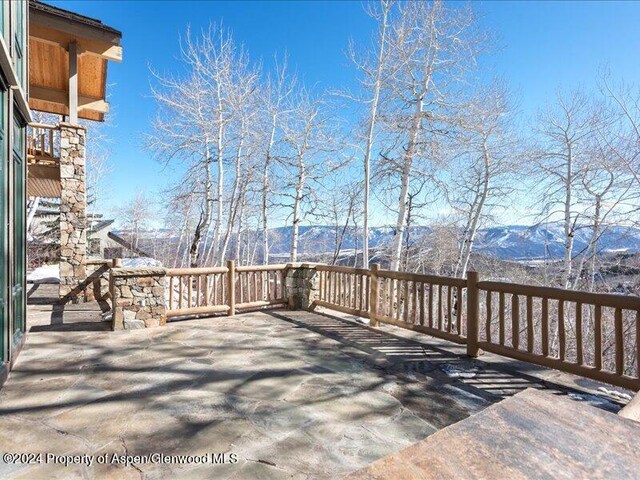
[
  {"x": 73, "y": 213},
  {"x": 302, "y": 282},
  {"x": 138, "y": 296}
]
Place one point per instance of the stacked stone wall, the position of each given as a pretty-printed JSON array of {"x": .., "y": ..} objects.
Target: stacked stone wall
[
  {"x": 138, "y": 296},
  {"x": 302, "y": 283},
  {"x": 73, "y": 217}
]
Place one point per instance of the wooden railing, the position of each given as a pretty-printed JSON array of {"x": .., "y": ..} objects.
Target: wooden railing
[
  {"x": 200, "y": 291},
  {"x": 42, "y": 142},
  {"x": 260, "y": 286},
  {"x": 594, "y": 335},
  {"x": 424, "y": 303},
  {"x": 588, "y": 334},
  {"x": 344, "y": 289}
]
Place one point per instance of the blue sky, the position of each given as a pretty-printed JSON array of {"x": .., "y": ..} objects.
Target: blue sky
[{"x": 542, "y": 46}]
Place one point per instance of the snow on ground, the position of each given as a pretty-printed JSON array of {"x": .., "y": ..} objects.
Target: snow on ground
[
  {"x": 45, "y": 274},
  {"x": 140, "y": 262},
  {"x": 51, "y": 273},
  {"x": 615, "y": 393}
]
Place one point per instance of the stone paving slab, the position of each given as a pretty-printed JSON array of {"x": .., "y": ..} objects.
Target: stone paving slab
[
  {"x": 286, "y": 400},
  {"x": 291, "y": 394}
]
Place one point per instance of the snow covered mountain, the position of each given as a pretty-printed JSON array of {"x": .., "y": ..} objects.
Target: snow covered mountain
[
  {"x": 510, "y": 242},
  {"x": 519, "y": 242}
]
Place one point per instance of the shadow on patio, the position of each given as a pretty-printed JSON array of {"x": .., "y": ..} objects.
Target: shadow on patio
[{"x": 289, "y": 392}]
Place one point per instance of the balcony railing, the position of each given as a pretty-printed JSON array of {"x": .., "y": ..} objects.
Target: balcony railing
[
  {"x": 43, "y": 143},
  {"x": 200, "y": 291},
  {"x": 593, "y": 335}
]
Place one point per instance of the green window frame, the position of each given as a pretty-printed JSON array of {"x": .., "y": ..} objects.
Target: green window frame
[
  {"x": 4, "y": 227},
  {"x": 19, "y": 226}
]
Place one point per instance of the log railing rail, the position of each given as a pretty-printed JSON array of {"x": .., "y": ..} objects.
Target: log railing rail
[
  {"x": 594, "y": 335},
  {"x": 557, "y": 328},
  {"x": 210, "y": 290},
  {"x": 567, "y": 330},
  {"x": 42, "y": 142}
]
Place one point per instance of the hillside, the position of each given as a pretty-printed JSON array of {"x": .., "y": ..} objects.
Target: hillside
[{"x": 511, "y": 242}]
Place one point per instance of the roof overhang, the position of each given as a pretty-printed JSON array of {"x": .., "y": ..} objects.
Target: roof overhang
[{"x": 62, "y": 43}]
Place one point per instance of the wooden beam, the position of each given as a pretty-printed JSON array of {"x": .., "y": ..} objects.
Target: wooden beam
[
  {"x": 86, "y": 46},
  {"x": 62, "y": 97},
  {"x": 73, "y": 83}
]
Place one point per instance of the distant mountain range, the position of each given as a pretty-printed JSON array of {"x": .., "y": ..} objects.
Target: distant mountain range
[{"x": 510, "y": 242}]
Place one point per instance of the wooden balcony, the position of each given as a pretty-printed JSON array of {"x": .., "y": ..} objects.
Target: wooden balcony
[{"x": 43, "y": 159}]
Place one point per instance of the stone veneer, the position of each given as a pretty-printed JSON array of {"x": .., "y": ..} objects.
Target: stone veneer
[
  {"x": 302, "y": 283},
  {"x": 138, "y": 296},
  {"x": 73, "y": 217}
]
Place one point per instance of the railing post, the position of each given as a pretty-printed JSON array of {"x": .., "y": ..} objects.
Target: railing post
[
  {"x": 116, "y": 263},
  {"x": 373, "y": 295},
  {"x": 231, "y": 284},
  {"x": 472, "y": 314}
]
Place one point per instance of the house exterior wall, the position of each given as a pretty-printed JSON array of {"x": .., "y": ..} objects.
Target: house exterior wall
[{"x": 14, "y": 115}]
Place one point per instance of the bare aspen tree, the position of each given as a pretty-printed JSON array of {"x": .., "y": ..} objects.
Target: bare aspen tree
[
  {"x": 435, "y": 46},
  {"x": 191, "y": 127},
  {"x": 136, "y": 217},
  {"x": 374, "y": 76},
  {"x": 606, "y": 191},
  {"x": 562, "y": 135},
  {"x": 484, "y": 145},
  {"x": 307, "y": 141},
  {"x": 278, "y": 89}
]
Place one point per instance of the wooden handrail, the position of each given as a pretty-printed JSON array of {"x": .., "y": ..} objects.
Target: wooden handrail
[
  {"x": 541, "y": 325},
  {"x": 44, "y": 126},
  {"x": 176, "y": 272},
  {"x": 418, "y": 277},
  {"x": 262, "y": 268},
  {"x": 603, "y": 299}
]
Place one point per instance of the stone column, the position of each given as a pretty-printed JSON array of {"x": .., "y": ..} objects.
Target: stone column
[
  {"x": 138, "y": 296},
  {"x": 302, "y": 282},
  {"x": 73, "y": 213}
]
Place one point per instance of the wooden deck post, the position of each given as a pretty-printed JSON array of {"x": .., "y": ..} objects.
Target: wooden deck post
[
  {"x": 116, "y": 263},
  {"x": 73, "y": 83},
  {"x": 373, "y": 295},
  {"x": 472, "y": 313},
  {"x": 231, "y": 290}
]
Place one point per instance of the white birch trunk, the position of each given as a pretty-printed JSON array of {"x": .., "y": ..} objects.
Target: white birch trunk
[
  {"x": 568, "y": 227},
  {"x": 404, "y": 186},
  {"x": 265, "y": 192},
  {"x": 296, "y": 210},
  {"x": 370, "y": 137}
]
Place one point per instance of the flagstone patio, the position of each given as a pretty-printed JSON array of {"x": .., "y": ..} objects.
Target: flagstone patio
[{"x": 291, "y": 394}]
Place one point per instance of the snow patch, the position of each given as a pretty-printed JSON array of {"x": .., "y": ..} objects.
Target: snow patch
[
  {"x": 595, "y": 401},
  {"x": 51, "y": 273},
  {"x": 615, "y": 393},
  {"x": 45, "y": 274},
  {"x": 140, "y": 262}
]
